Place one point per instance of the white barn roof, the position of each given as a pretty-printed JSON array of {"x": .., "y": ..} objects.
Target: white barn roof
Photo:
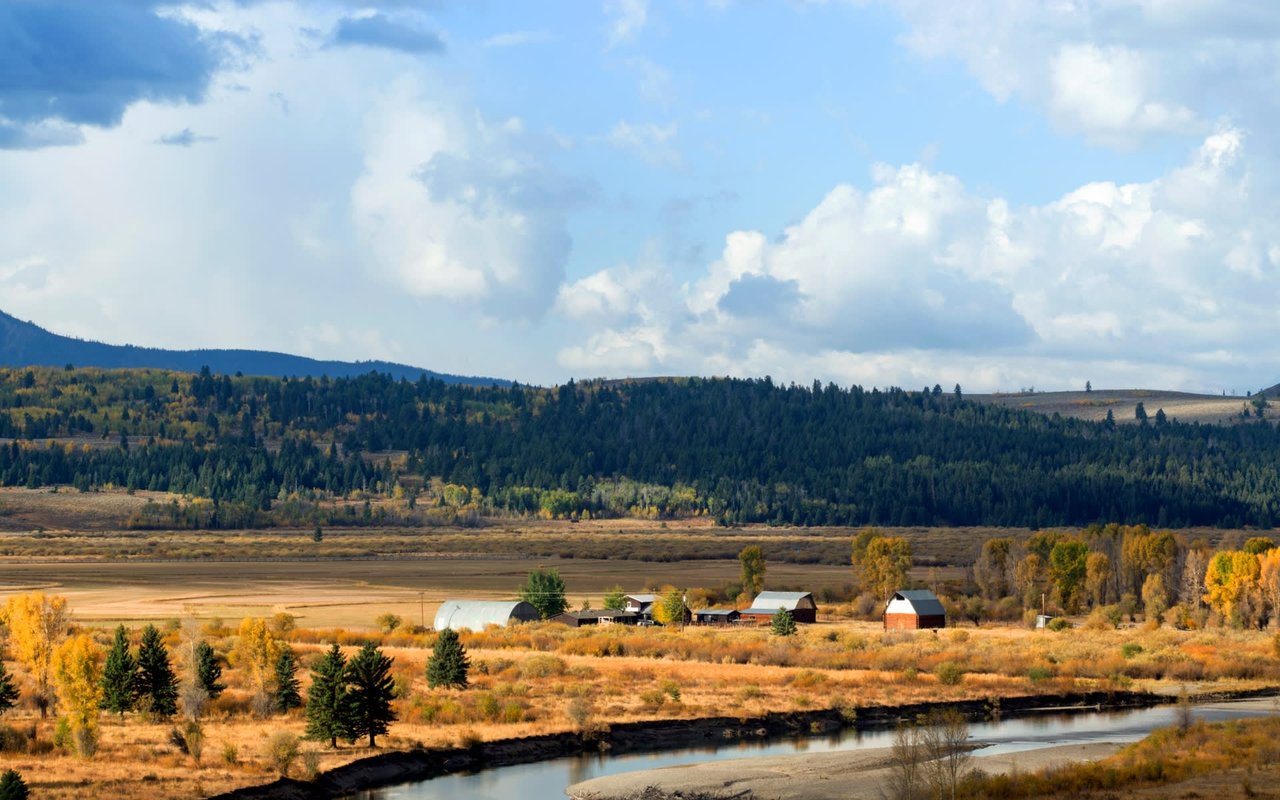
[
  {"x": 920, "y": 602},
  {"x": 772, "y": 601},
  {"x": 477, "y": 614}
]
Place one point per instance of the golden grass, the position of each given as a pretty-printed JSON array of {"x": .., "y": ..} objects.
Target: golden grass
[{"x": 525, "y": 681}]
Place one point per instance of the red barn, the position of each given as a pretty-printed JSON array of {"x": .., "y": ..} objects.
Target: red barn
[{"x": 914, "y": 609}]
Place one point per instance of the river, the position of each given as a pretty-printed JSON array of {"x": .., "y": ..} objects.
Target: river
[{"x": 549, "y": 779}]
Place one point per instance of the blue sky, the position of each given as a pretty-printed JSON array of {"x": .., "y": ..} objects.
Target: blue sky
[{"x": 996, "y": 193}]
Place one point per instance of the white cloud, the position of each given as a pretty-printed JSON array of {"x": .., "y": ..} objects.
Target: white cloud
[
  {"x": 627, "y": 19},
  {"x": 1117, "y": 71},
  {"x": 921, "y": 280},
  {"x": 654, "y": 143}
]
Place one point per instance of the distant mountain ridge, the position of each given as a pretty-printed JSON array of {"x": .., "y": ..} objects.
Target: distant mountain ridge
[{"x": 25, "y": 344}]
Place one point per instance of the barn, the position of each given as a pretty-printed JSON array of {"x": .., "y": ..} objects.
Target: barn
[
  {"x": 802, "y": 606},
  {"x": 716, "y": 616},
  {"x": 477, "y": 615},
  {"x": 914, "y": 609},
  {"x": 596, "y": 616}
]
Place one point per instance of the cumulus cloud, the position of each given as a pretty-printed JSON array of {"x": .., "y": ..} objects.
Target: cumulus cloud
[
  {"x": 406, "y": 34},
  {"x": 921, "y": 279},
  {"x": 627, "y": 19},
  {"x": 1117, "y": 72},
  {"x": 68, "y": 64},
  {"x": 183, "y": 138}
]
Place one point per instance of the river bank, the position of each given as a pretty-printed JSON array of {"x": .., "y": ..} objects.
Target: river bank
[{"x": 391, "y": 769}]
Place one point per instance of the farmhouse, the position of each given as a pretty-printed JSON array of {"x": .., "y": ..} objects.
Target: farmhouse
[
  {"x": 641, "y": 605},
  {"x": 802, "y": 606},
  {"x": 716, "y": 616},
  {"x": 596, "y": 616},
  {"x": 476, "y": 615},
  {"x": 914, "y": 609}
]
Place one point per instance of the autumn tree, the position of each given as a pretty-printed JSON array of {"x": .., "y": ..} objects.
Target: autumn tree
[
  {"x": 1098, "y": 575},
  {"x": 78, "y": 676},
  {"x": 1143, "y": 552},
  {"x": 327, "y": 711},
  {"x": 669, "y": 608},
  {"x": 881, "y": 562},
  {"x": 37, "y": 625},
  {"x": 157, "y": 686},
  {"x": 992, "y": 569},
  {"x": 1191, "y": 588},
  {"x": 753, "y": 569},
  {"x": 119, "y": 676},
  {"x": 1155, "y": 598},
  {"x": 370, "y": 690},
  {"x": 1269, "y": 583},
  {"x": 256, "y": 650},
  {"x": 1067, "y": 568},
  {"x": 1258, "y": 545},
  {"x": 1230, "y": 576},
  {"x": 544, "y": 590},
  {"x": 449, "y": 664}
]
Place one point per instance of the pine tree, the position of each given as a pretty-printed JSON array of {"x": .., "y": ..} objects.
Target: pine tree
[
  {"x": 8, "y": 692},
  {"x": 287, "y": 695},
  {"x": 120, "y": 676},
  {"x": 157, "y": 687},
  {"x": 12, "y": 787},
  {"x": 208, "y": 670},
  {"x": 783, "y": 624},
  {"x": 370, "y": 694},
  {"x": 449, "y": 663},
  {"x": 327, "y": 707}
]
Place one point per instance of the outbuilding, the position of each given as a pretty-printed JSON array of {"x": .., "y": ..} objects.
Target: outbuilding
[
  {"x": 596, "y": 616},
  {"x": 802, "y": 606},
  {"x": 914, "y": 609},
  {"x": 476, "y": 615},
  {"x": 716, "y": 616}
]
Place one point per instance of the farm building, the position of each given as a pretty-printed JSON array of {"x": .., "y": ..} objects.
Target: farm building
[
  {"x": 915, "y": 609},
  {"x": 802, "y": 606},
  {"x": 596, "y": 616},
  {"x": 641, "y": 605},
  {"x": 476, "y": 615},
  {"x": 716, "y": 616}
]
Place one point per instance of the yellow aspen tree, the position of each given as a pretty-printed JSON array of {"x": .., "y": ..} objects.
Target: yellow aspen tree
[
  {"x": 77, "y": 669},
  {"x": 256, "y": 651},
  {"x": 37, "y": 624},
  {"x": 1230, "y": 575},
  {"x": 1269, "y": 580}
]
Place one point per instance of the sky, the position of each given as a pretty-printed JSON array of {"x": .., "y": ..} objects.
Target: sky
[{"x": 1003, "y": 194}]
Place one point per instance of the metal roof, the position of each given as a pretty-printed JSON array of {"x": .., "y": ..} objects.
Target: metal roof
[
  {"x": 772, "y": 601},
  {"x": 643, "y": 598},
  {"x": 477, "y": 614},
  {"x": 719, "y": 612},
  {"x": 923, "y": 602}
]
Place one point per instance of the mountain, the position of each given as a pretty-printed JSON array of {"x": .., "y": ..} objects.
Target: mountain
[{"x": 24, "y": 344}]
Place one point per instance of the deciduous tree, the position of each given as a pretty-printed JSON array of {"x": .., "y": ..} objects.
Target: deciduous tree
[
  {"x": 753, "y": 569},
  {"x": 78, "y": 674},
  {"x": 1230, "y": 576},
  {"x": 37, "y": 625},
  {"x": 669, "y": 608}
]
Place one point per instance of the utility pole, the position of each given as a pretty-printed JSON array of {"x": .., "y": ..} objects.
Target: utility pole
[{"x": 422, "y": 612}]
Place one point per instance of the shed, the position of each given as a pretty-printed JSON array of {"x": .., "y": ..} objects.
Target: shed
[
  {"x": 596, "y": 616},
  {"x": 914, "y": 609},
  {"x": 476, "y": 615},
  {"x": 716, "y": 616},
  {"x": 802, "y": 606}
]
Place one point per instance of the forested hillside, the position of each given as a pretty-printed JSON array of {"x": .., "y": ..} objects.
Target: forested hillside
[
  {"x": 24, "y": 343},
  {"x": 739, "y": 450}
]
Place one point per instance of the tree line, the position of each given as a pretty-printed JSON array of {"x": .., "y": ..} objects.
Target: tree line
[{"x": 737, "y": 450}]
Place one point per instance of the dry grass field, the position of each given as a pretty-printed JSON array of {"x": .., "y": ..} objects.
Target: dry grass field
[
  {"x": 528, "y": 680},
  {"x": 1182, "y": 406}
]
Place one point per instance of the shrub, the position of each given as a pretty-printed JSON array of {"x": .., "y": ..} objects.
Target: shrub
[
  {"x": 653, "y": 699},
  {"x": 230, "y": 754},
  {"x": 949, "y": 673},
  {"x": 1059, "y": 624},
  {"x": 282, "y": 751},
  {"x": 541, "y": 666},
  {"x": 1039, "y": 674},
  {"x": 310, "y": 765},
  {"x": 1130, "y": 649}
]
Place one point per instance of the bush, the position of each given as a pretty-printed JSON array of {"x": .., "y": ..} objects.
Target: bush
[
  {"x": 282, "y": 751},
  {"x": 230, "y": 754},
  {"x": 949, "y": 673},
  {"x": 1130, "y": 649},
  {"x": 1039, "y": 674},
  {"x": 1059, "y": 624},
  {"x": 310, "y": 765}
]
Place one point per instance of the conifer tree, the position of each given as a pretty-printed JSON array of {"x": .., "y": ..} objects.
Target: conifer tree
[
  {"x": 782, "y": 623},
  {"x": 449, "y": 663},
  {"x": 327, "y": 706},
  {"x": 12, "y": 786},
  {"x": 287, "y": 695},
  {"x": 208, "y": 670},
  {"x": 370, "y": 693},
  {"x": 8, "y": 692},
  {"x": 157, "y": 687},
  {"x": 119, "y": 676}
]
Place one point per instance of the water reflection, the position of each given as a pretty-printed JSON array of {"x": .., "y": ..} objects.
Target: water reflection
[{"x": 548, "y": 779}]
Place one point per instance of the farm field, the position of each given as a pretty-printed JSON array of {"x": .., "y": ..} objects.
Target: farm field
[{"x": 1206, "y": 409}]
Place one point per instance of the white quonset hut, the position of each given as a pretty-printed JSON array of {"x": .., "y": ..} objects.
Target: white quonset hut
[{"x": 476, "y": 615}]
